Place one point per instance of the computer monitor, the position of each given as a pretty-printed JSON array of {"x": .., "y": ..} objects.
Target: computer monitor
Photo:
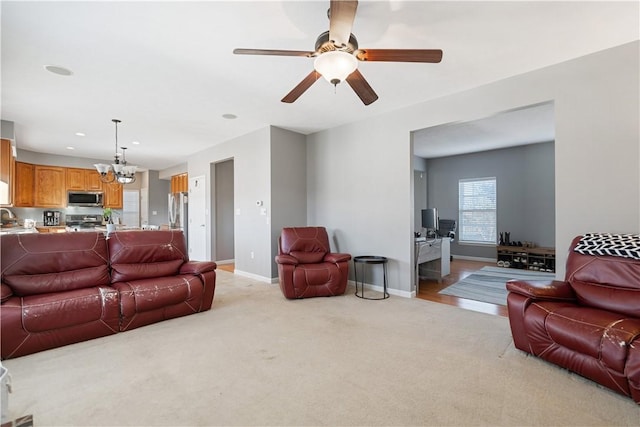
[{"x": 430, "y": 218}]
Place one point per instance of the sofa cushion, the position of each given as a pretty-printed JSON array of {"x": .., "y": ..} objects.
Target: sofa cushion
[
  {"x": 48, "y": 312},
  {"x": 38, "y": 263},
  {"x": 145, "y": 254},
  {"x": 158, "y": 292},
  {"x": 603, "y": 335},
  {"x": 147, "y": 301}
]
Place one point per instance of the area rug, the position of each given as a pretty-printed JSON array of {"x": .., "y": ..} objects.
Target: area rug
[{"x": 488, "y": 284}]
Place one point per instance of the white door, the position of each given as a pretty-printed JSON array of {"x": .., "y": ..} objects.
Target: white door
[{"x": 197, "y": 219}]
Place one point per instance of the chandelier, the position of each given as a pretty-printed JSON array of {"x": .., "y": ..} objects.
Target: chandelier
[{"x": 119, "y": 170}]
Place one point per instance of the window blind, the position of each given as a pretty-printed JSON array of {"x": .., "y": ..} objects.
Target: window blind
[{"x": 477, "y": 210}]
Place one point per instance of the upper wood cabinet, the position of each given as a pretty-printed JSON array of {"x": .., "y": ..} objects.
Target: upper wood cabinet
[
  {"x": 180, "y": 183},
  {"x": 75, "y": 179},
  {"x": 92, "y": 180},
  {"x": 7, "y": 172},
  {"x": 113, "y": 196},
  {"x": 24, "y": 185},
  {"x": 83, "y": 179},
  {"x": 50, "y": 189},
  {"x": 44, "y": 186}
]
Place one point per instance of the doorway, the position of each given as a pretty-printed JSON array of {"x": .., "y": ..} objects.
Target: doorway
[
  {"x": 517, "y": 147},
  {"x": 223, "y": 209}
]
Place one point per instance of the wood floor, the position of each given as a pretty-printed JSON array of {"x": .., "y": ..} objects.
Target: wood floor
[
  {"x": 429, "y": 288},
  {"x": 459, "y": 270},
  {"x": 227, "y": 267}
]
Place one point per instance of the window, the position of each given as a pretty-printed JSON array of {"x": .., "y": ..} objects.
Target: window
[{"x": 477, "y": 209}]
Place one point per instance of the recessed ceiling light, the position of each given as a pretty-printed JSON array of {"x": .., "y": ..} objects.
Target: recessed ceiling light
[
  {"x": 79, "y": 134},
  {"x": 135, "y": 142},
  {"x": 229, "y": 116},
  {"x": 61, "y": 71},
  {"x": 70, "y": 148}
]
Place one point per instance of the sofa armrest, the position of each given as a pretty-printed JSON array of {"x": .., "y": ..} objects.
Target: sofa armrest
[
  {"x": 554, "y": 290},
  {"x": 7, "y": 292},
  {"x": 336, "y": 258},
  {"x": 286, "y": 259},
  {"x": 197, "y": 267}
]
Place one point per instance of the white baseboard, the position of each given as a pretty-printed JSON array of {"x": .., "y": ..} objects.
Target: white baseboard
[
  {"x": 256, "y": 277},
  {"x": 378, "y": 288},
  {"x": 225, "y": 261}
]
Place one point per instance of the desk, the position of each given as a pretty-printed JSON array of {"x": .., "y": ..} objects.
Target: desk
[
  {"x": 436, "y": 252},
  {"x": 370, "y": 259}
]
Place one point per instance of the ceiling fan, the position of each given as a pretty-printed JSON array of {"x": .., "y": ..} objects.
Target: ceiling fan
[{"x": 337, "y": 54}]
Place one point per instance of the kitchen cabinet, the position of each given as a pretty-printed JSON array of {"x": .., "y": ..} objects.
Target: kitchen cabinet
[
  {"x": 52, "y": 229},
  {"x": 7, "y": 172},
  {"x": 24, "y": 184},
  {"x": 50, "y": 189},
  {"x": 75, "y": 179},
  {"x": 83, "y": 179},
  {"x": 180, "y": 183},
  {"x": 113, "y": 197},
  {"x": 92, "y": 180}
]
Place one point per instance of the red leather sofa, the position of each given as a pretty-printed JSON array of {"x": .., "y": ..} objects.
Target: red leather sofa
[
  {"x": 589, "y": 323},
  {"x": 307, "y": 267},
  {"x": 63, "y": 288}
]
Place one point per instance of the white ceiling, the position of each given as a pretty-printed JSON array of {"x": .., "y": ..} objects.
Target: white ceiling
[{"x": 166, "y": 69}]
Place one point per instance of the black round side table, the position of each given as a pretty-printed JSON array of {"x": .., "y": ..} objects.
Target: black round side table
[{"x": 363, "y": 261}]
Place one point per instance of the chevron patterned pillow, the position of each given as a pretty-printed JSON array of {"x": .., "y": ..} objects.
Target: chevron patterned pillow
[{"x": 622, "y": 245}]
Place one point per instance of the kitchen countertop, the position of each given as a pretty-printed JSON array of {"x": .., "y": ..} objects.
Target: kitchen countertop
[{"x": 16, "y": 230}]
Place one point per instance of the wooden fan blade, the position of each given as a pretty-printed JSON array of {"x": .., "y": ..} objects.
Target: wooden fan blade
[
  {"x": 341, "y": 16},
  {"x": 361, "y": 87},
  {"x": 273, "y": 52},
  {"x": 302, "y": 87},
  {"x": 400, "y": 55}
]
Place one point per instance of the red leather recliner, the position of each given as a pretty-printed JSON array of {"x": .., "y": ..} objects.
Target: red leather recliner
[
  {"x": 589, "y": 323},
  {"x": 306, "y": 266}
]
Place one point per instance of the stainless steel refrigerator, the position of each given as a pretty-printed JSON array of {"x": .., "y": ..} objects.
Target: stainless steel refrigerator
[{"x": 179, "y": 213}]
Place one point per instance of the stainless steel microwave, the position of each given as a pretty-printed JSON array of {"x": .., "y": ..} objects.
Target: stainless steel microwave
[{"x": 85, "y": 198}]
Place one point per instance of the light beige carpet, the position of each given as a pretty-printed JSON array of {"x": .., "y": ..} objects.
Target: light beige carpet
[{"x": 258, "y": 359}]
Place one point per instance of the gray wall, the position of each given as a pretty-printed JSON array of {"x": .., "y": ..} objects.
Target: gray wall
[
  {"x": 597, "y": 123},
  {"x": 525, "y": 181},
  {"x": 252, "y": 170},
  {"x": 419, "y": 197},
  {"x": 269, "y": 166},
  {"x": 223, "y": 208},
  {"x": 56, "y": 160},
  {"x": 7, "y": 130},
  {"x": 288, "y": 184},
  {"x": 158, "y": 193}
]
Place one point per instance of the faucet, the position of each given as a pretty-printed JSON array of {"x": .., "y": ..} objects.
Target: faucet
[{"x": 11, "y": 215}]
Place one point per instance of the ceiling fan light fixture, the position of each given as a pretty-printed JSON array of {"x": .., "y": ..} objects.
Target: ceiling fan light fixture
[{"x": 335, "y": 66}]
